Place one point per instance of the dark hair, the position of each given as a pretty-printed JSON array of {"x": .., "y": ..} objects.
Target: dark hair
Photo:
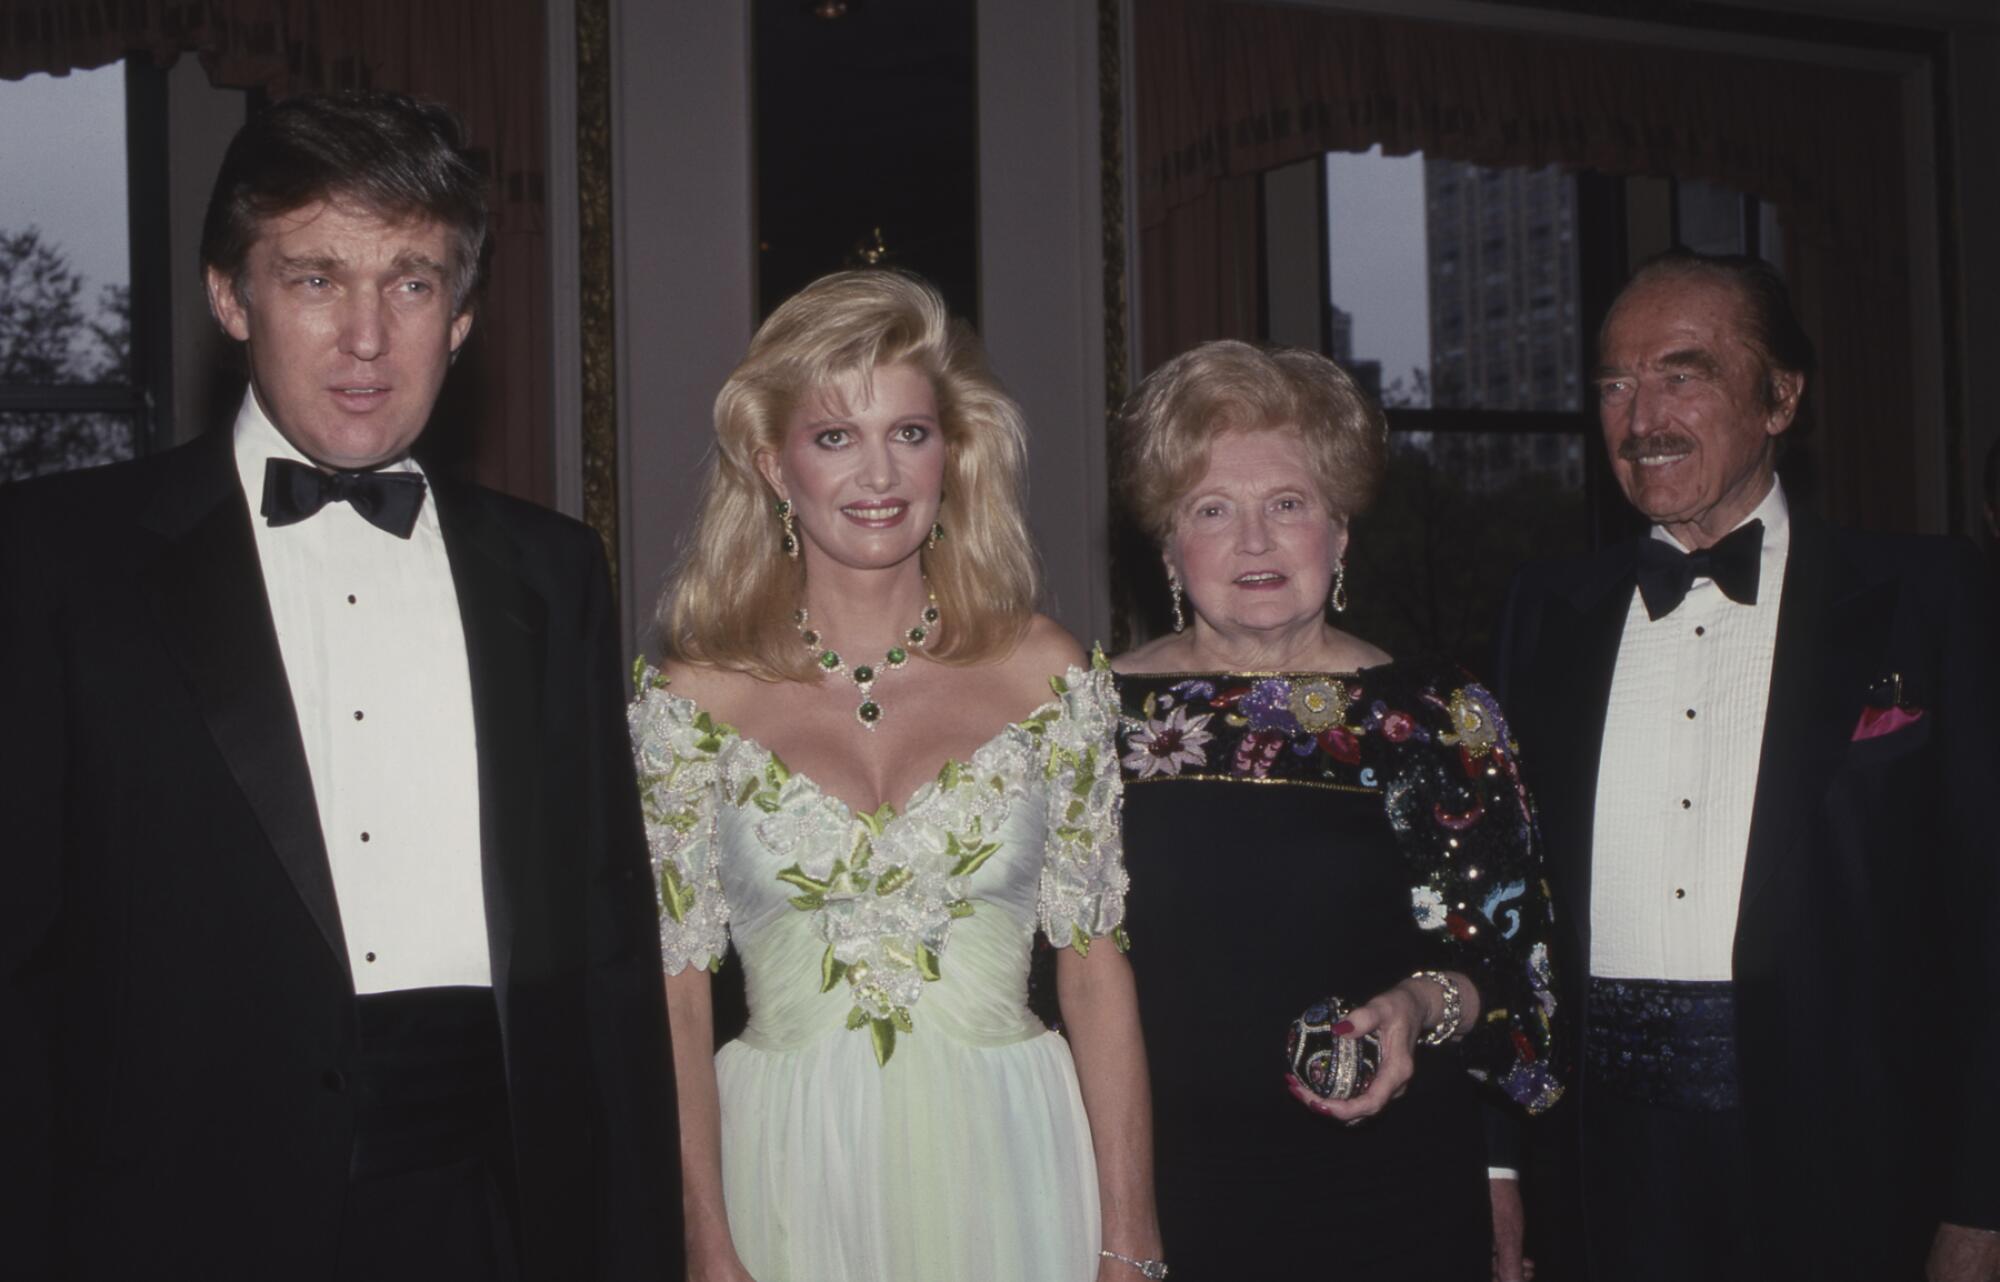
[
  {"x": 1992, "y": 493},
  {"x": 391, "y": 155},
  {"x": 1774, "y": 332}
]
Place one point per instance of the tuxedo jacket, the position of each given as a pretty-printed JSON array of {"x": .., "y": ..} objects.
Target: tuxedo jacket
[
  {"x": 176, "y": 1011},
  {"x": 1867, "y": 950}
]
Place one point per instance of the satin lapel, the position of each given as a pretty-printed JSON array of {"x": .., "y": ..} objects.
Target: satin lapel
[
  {"x": 207, "y": 593},
  {"x": 505, "y": 623},
  {"x": 1581, "y": 632},
  {"x": 1833, "y": 629}
]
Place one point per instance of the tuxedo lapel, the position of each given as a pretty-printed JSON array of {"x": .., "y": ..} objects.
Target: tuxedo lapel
[
  {"x": 506, "y": 625},
  {"x": 1581, "y": 632},
  {"x": 207, "y": 593},
  {"x": 1833, "y": 627}
]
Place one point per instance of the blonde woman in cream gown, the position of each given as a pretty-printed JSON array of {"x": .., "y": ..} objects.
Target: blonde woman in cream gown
[{"x": 893, "y": 1112}]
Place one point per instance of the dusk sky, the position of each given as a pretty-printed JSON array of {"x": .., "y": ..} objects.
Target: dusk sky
[
  {"x": 1375, "y": 256},
  {"x": 62, "y": 149}
]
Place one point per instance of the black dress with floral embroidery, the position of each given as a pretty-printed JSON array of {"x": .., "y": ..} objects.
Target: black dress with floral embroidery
[{"x": 1296, "y": 836}]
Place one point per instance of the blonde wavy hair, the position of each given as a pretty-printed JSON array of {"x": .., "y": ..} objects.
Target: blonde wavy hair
[{"x": 730, "y": 601}]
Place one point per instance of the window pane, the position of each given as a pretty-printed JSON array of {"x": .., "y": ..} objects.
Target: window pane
[
  {"x": 65, "y": 260},
  {"x": 37, "y": 443},
  {"x": 1454, "y": 286},
  {"x": 1710, "y": 218},
  {"x": 1429, "y": 564}
]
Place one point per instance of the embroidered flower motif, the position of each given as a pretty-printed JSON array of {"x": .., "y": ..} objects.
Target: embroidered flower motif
[
  {"x": 813, "y": 830},
  {"x": 1082, "y": 893},
  {"x": 1427, "y": 905},
  {"x": 680, "y": 752},
  {"x": 1318, "y": 704},
  {"x": 893, "y": 885},
  {"x": 1340, "y": 744},
  {"x": 1476, "y": 724},
  {"x": 1531, "y": 1085},
  {"x": 1440, "y": 756},
  {"x": 1459, "y": 820},
  {"x": 1495, "y": 907},
  {"x": 1268, "y": 707},
  {"x": 1162, "y": 747},
  {"x": 1256, "y": 753},
  {"x": 1541, "y": 979}
]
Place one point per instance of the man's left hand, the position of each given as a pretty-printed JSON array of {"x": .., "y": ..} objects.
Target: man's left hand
[{"x": 1960, "y": 1254}]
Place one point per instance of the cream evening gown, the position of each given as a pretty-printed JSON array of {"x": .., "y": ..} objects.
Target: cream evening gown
[{"x": 894, "y": 1112}]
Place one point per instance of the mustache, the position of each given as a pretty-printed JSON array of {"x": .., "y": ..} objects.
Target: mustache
[{"x": 1639, "y": 448}]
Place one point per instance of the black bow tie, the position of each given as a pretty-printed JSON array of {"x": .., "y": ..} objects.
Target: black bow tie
[
  {"x": 1666, "y": 573},
  {"x": 386, "y": 500}
]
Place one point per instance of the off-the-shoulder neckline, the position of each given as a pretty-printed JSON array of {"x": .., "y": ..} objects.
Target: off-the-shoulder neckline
[
  {"x": 1226, "y": 674},
  {"x": 1072, "y": 677}
]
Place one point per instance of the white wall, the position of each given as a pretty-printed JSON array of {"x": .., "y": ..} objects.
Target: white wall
[
  {"x": 1041, "y": 279},
  {"x": 681, "y": 193}
]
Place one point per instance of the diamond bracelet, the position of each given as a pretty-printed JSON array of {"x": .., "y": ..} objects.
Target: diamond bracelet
[
  {"x": 1154, "y": 1269},
  {"x": 1454, "y": 1008}
]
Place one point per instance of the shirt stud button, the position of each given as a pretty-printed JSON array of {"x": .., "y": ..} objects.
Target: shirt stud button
[
  {"x": 1678, "y": 894},
  {"x": 1687, "y": 803},
  {"x": 350, "y": 598},
  {"x": 1699, "y": 630},
  {"x": 1690, "y": 714},
  {"x": 357, "y": 714},
  {"x": 370, "y": 956},
  {"x": 364, "y": 836}
]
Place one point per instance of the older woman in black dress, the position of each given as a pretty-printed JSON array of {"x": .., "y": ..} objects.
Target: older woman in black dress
[{"x": 1306, "y": 817}]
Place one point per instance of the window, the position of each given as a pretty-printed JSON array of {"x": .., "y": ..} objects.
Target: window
[
  {"x": 1715, "y": 220},
  {"x": 1460, "y": 282},
  {"x": 79, "y": 275},
  {"x": 1471, "y": 296}
]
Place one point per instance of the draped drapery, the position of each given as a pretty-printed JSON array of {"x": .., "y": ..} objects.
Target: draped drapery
[
  {"x": 1225, "y": 91},
  {"x": 482, "y": 58}
]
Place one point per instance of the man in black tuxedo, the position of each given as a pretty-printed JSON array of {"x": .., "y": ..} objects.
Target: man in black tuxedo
[
  {"x": 326, "y": 939},
  {"x": 1765, "y": 761}
]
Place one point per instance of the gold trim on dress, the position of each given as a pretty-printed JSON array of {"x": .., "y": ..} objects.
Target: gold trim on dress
[
  {"x": 1293, "y": 783},
  {"x": 1353, "y": 674}
]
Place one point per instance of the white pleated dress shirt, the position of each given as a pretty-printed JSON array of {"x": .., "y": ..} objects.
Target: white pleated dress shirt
[
  {"x": 374, "y": 652},
  {"x": 1677, "y": 773}
]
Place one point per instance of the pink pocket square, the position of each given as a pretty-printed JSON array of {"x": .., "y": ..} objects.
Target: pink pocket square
[{"x": 1876, "y": 722}]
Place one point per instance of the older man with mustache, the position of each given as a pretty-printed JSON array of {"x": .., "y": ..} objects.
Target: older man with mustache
[{"x": 1763, "y": 748}]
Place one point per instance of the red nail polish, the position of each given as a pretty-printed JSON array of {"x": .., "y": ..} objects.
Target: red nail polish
[{"x": 1344, "y": 1028}]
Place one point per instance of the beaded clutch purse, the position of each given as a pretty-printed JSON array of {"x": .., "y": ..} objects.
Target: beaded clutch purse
[{"x": 1331, "y": 1067}]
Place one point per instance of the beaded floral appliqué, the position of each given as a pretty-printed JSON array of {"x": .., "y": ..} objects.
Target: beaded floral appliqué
[
  {"x": 1435, "y": 745},
  {"x": 884, "y": 888},
  {"x": 678, "y": 749}
]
